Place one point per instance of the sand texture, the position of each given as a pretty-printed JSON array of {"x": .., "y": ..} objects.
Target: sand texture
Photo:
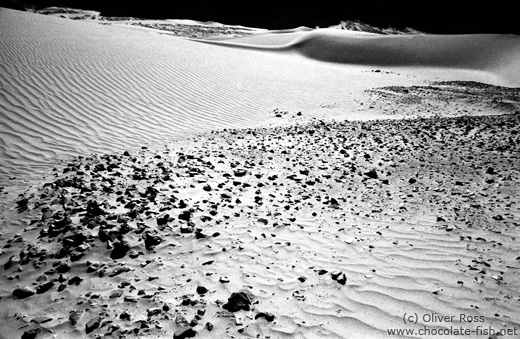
[{"x": 290, "y": 184}]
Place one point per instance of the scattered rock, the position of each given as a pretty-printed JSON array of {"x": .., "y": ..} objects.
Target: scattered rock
[
  {"x": 74, "y": 317},
  {"x": 268, "y": 316},
  {"x": 237, "y": 301},
  {"x": 372, "y": 174},
  {"x": 151, "y": 240},
  {"x": 93, "y": 324},
  {"x": 31, "y": 334},
  {"x": 120, "y": 249},
  {"x": 184, "y": 333},
  {"x": 44, "y": 287},
  {"x": 202, "y": 290},
  {"x": 22, "y": 293}
]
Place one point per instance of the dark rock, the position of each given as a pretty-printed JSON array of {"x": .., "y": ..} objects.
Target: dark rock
[
  {"x": 184, "y": 333},
  {"x": 116, "y": 294},
  {"x": 44, "y": 287},
  {"x": 62, "y": 268},
  {"x": 76, "y": 255},
  {"x": 268, "y": 316},
  {"x": 412, "y": 181},
  {"x": 74, "y": 240},
  {"x": 186, "y": 229},
  {"x": 151, "y": 240},
  {"x": 209, "y": 326},
  {"x": 186, "y": 215},
  {"x": 41, "y": 320},
  {"x": 103, "y": 236},
  {"x": 75, "y": 280},
  {"x": 22, "y": 293},
  {"x": 237, "y": 301},
  {"x": 181, "y": 321},
  {"x": 202, "y": 290},
  {"x": 342, "y": 279},
  {"x": 120, "y": 249},
  {"x": 118, "y": 271},
  {"x": 22, "y": 203},
  {"x": 153, "y": 311},
  {"x": 372, "y": 174},
  {"x": 93, "y": 324},
  {"x": 31, "y": 334},
  {"x": 334, "y": 275},
  {"x": 199, "y": 234},
  {"x": 74, "y": 317},
  {"x": 94, "y": 210},
  {"x": 240, "y": 172},
  {"x": 263, "y": 221},
  {"x": 162, "y": 221}
]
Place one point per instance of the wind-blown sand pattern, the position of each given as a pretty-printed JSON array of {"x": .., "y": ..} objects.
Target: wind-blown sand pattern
[
  {"x": 77, "y": 87},
  {"x": 302, "y": 216}
]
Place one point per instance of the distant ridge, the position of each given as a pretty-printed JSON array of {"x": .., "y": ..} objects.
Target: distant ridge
[{"x": 357, "y": 25}]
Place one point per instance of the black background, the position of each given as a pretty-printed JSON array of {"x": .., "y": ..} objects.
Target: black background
[{"x": 439, "y": 17}]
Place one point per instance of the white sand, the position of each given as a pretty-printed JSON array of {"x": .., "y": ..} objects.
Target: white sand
[{"x": 73, "y": 88}]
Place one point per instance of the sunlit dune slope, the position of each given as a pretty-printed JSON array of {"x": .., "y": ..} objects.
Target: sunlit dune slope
[{"x": 71, "y": 87}]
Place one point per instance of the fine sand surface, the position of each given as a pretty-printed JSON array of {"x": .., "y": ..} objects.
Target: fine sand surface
[{"x": 125, "y": 214}]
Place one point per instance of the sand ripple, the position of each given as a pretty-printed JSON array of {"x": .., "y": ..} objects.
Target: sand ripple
[{"x": 71, "y": 88}]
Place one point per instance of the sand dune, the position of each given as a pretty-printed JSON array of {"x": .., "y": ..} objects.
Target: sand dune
[
  {"x": 74, "y": 87},
  {"x": 304, "y": 227},
  {"x": 486, "y": 52}
]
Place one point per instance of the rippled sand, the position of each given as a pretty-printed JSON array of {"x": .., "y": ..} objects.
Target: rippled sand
[{"x": 333, "y": 224}]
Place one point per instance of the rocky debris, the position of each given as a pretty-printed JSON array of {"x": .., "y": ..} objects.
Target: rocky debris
[
  {"x": 153, "y": 311},
  {"x": 74, "y": 317},
  {"x": 240, "y": 172},
  {"x": 334, "y": 275},
  {"x": 189, "y": 31},
  {"x": 372, "y": 174},
  {"x": 22, "y": 293},
  {"x": 266, "y": 315},
  {"x": 151, "y": 240},
  {"x": 339, "y": 183},
  {"x": 121, "y": 248},
  {"x": 438, "y": 98},
  {"x": 22, "y": 204},
  {"x": 202, "y": 290},
  {"x": 162, "y": 221},
  {"x": 32, "y": 333},
  {"x": 237, "y": 301},
  {"x": 342, "y": 279},
  {"x": 186, "y": 215},
  {"x": 93, "y": 324},
  {"x": 184, "y": 333},
  {"x": 44, "y": 287},
  {"x": 181, "y": 321}
]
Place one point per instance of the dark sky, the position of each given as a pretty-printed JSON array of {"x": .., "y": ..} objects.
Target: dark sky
[{"x": 440, "y": 17}]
